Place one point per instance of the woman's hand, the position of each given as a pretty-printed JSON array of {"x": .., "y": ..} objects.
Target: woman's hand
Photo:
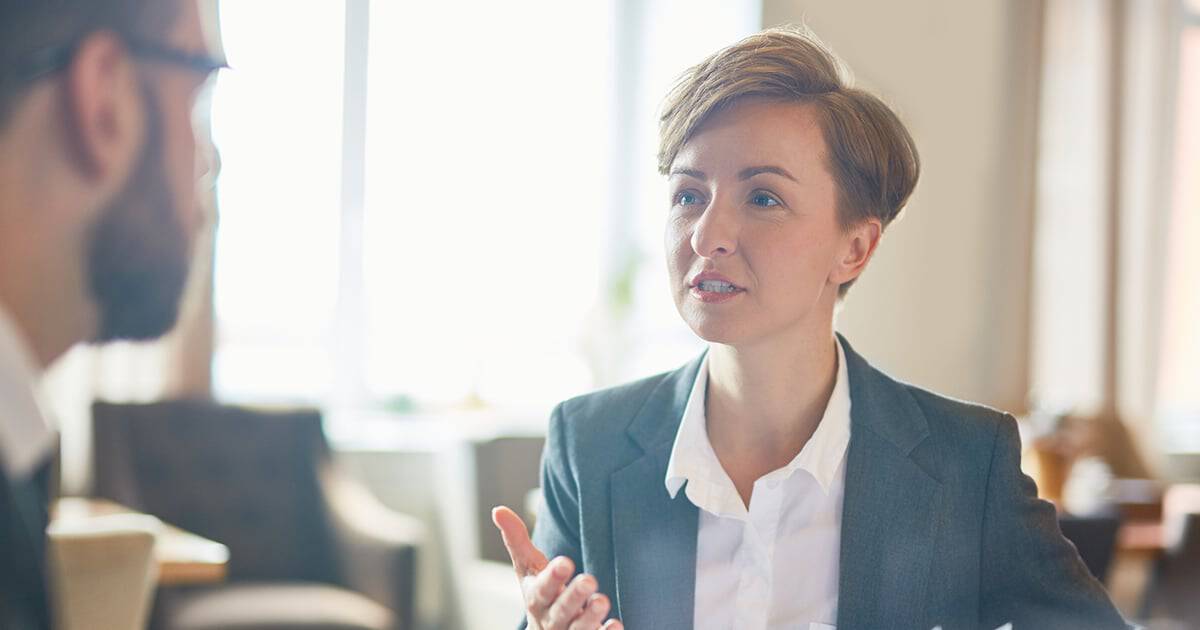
[{"x": 551, "y": 602}]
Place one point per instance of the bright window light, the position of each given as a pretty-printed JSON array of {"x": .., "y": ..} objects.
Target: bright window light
[
  {"x": 487, "y": 185},
  {"x": 277, "y": 120},
  {"x": 1179, "y": 379},
  {"x": 497, "y": 240}
]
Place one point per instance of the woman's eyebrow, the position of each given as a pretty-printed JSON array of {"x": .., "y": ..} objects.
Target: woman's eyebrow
[
  {"x": 747, "y": 173},
  {"x": 690, "y": 172}
]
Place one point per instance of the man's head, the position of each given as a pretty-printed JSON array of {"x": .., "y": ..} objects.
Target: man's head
[{"x": 97, "y": 153}]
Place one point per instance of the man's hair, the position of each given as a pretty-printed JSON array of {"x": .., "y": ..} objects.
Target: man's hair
[
  {"x": 871, "y": 156},
  {"x": 29, "y": 28}
]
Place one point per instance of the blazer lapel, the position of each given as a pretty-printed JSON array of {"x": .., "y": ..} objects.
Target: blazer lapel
[
  {"x": 23, "y": 597},
  {"x": 891, "y": 508},
  {"x": 889, "y": 517},
  {"x": 654, "y": 536}
]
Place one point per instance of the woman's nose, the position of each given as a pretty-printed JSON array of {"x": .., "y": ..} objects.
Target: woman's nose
[{"x": 716, "y": 231}]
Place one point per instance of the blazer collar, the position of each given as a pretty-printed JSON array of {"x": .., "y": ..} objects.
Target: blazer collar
[
  {"x": 658, "y": 419},
  {"x": 878, "y": 404},
  {"x": 881, "y": 405}
]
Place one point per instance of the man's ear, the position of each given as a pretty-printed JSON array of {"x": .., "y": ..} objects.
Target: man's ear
[
  {"x": 104, "y": 113},
  {"x": 858, "y": 245}
]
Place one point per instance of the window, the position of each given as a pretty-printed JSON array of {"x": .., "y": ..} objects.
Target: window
[
  {"x": 1179, "y": 375},
  {"x": 428, "y": 206},
  {"x": 487, "y": 183},
  {"x": 1117, "y": 276},
  {"x": 277, "y": 120}
]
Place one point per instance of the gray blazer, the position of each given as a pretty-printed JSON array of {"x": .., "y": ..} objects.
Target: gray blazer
[{"x": 939, "y": 525}]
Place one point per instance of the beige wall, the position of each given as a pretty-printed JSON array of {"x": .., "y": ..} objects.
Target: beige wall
[{"x": 945, "y": 302}]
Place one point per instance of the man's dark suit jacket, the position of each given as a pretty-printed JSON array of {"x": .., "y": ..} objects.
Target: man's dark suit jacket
[
  {"x": 939, "y": 525},
  {"x": 23, "y": 517}
]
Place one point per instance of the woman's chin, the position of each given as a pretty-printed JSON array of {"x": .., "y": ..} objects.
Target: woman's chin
[
  {"x": 720, "y": 324},
  {"x": 723, "y": 332}
]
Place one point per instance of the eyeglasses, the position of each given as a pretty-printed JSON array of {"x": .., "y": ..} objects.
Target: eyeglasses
[{"x": 51, "y": 60}]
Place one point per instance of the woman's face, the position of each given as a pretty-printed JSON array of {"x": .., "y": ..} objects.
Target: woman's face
[{"x": 754, "y": 247}]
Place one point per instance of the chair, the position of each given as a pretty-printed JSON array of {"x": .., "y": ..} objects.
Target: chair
[
  {"x": 506, "y": 468},
  {"x": 103, "y": 571},
  {"x": 476, "y": 475},
  {"x": 309, "y": 548},
  {"x": 1095, "y": 538}
]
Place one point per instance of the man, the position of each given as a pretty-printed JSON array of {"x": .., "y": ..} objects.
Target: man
[{"x": 97, "y": 178}]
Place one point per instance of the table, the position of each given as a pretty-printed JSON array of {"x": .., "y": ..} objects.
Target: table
[{"x": 183, "y": 557}]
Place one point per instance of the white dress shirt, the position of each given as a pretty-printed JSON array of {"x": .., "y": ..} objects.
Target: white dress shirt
[
  {"x": 26, "y": 439},
  {"x": 774, "y": 565}
]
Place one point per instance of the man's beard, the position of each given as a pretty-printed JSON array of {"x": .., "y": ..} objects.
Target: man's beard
[{"x": 138, "y": 250}]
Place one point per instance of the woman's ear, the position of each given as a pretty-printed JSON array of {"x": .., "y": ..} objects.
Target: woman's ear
[{"x": 858, "y": 245}]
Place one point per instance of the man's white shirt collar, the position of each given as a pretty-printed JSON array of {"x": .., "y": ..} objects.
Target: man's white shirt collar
[
  {"x": 26, "y": 438},
  {"x": 708, "y": 485}
]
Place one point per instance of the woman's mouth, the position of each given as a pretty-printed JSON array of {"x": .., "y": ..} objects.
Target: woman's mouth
[
  {"x": 712, "y": 290},
  {"x": 716, "y": 286}
]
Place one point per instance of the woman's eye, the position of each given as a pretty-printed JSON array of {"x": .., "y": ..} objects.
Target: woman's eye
[{"x": 764, "y": 200}]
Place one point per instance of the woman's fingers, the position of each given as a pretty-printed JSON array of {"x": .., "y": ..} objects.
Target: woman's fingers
[
  {"x": 549, "y": 599},
  {"x": 526, "y": 559},
  {"x": 542, "y": 589},
  {"x": 593, "y": 613},
  {"x": 569, "y": 604}
]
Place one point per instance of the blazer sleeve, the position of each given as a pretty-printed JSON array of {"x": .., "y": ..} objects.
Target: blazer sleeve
[
  {"x": 1031, "y": 575},
  {"x": 556, "y": 532}
]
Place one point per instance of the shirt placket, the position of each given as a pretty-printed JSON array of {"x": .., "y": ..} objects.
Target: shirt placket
[{"x": 755, "y": 555}]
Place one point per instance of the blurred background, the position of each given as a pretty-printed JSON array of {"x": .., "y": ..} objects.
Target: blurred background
[{"x": 435, "y": 220}]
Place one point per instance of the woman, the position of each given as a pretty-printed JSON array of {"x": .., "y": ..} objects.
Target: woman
[{"x": 779, "y": 480}]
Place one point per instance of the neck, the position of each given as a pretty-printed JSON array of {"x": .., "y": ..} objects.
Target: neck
[
  {"x": 49, "y": 321},
  {"x": 766, "y": 400},
  {"x": 43, "y": 284}
]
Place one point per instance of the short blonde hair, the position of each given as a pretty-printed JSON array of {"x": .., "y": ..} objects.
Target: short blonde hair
[{"x": 872, "y": 157}]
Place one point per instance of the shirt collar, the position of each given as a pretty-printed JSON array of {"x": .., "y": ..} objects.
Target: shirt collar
[
  {"x": 26, "y": 438},
  {"x": 694, "y": 461}
]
